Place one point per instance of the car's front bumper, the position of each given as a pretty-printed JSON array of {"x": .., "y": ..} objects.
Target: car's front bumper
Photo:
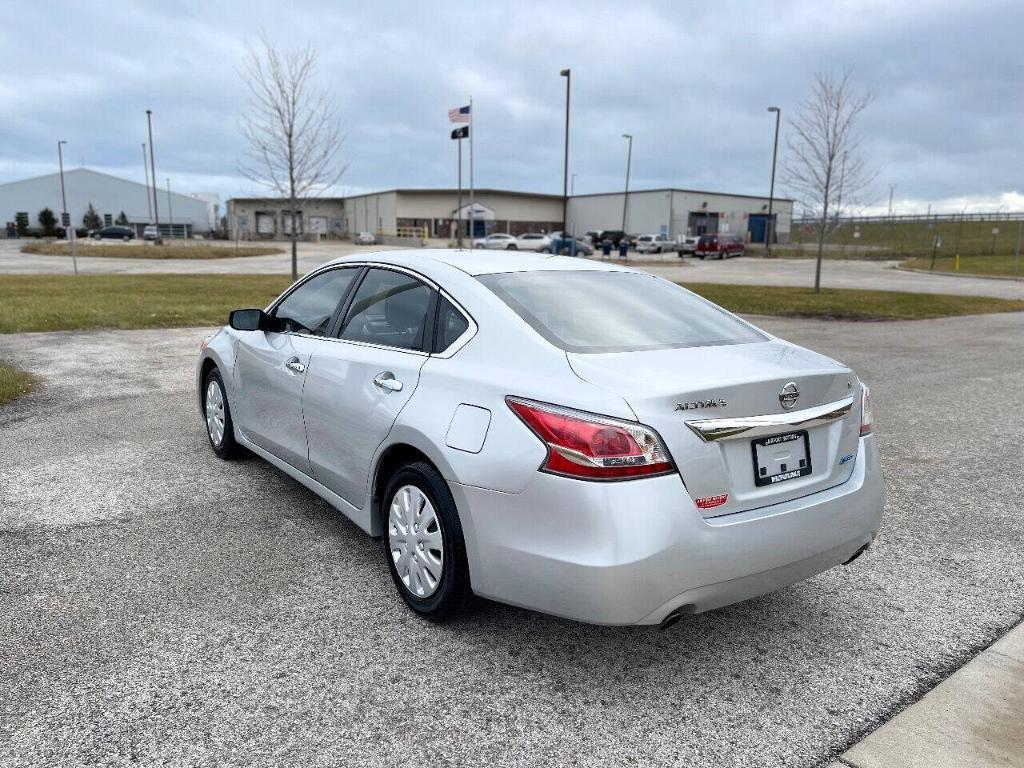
[{"x": 633, "y": 552}]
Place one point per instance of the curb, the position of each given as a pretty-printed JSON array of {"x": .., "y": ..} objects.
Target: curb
[
  {"x": 958, "y": 274},
  {"x": 972, "y": 718}
]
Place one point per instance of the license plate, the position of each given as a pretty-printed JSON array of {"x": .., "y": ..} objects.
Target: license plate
[{"x": 780, "y": 458}]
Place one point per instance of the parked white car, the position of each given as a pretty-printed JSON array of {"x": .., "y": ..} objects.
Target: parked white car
[
  {"x": 150, "y": 232},
  {"x": 654, "y": 244},
  {"x": 533, "y": 241},
  {"x": 365, "y": 238},
  {"x": 499, "y": 241},
  {"x": 559, "y": 434},
  {"x": 687, "y": 245}
]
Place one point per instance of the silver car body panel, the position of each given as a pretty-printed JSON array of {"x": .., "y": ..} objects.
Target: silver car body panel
[{"x": 614, "y": 552}]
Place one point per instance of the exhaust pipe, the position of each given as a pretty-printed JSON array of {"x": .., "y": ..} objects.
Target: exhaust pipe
[
  {"x": 671, "y": 619},
  {"x": 857, "y": 554}
]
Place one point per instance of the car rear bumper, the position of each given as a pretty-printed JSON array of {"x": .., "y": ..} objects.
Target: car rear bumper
[{"x": 634, "y": 552}]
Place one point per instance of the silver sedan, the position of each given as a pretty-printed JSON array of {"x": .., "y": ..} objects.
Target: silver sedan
[{"x": 573, "y": 437}]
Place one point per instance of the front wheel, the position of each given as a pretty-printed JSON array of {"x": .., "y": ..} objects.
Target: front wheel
[
  {"x": 219, "y": 427},
  {"x": 423, "y": 543},
  {"x": 512, "y": 247}
]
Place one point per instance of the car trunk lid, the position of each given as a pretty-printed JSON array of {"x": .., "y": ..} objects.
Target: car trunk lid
[{"x": 676, "y": 391}]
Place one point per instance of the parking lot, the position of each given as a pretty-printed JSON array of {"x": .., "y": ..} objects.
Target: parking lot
[{"x": 156, "y": 603}]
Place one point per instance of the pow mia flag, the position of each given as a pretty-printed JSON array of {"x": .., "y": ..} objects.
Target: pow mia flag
[{"x": 461, "y": 133}]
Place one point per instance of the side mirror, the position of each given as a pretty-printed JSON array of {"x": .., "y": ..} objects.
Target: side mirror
[{"x": 249, "y": 320}]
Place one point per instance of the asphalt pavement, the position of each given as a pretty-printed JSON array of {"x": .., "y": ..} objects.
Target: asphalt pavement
[{"x": 159, "y": 606}]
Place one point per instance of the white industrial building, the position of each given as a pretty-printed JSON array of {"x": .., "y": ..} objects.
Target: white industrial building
[
  {"x": 680, "y": 212},
  {"x": 110, "y": 196},
  {"x": 435, "y": 213}
]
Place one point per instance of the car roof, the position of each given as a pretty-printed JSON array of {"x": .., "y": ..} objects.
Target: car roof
[{"x": 432, "y": 261}]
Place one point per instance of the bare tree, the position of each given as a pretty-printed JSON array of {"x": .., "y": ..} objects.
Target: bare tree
[
  {"x": 292, "y": 128},
  {"x": 825, "y": 169}
]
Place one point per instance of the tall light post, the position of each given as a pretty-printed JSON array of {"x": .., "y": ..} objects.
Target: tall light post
[
  {"x": 625, "y": 194},
  {"x": 65, "y": 219},
  {"x": 149, "y": 200},
  {"x": 567, "y": 74},
  {"x": 170, "y": 210},
  {"x": 152, "y": 172},
  {"x": 771, "y": 189}
]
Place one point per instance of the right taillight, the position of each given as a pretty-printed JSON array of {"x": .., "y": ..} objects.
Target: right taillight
[
  {"x": 867, "y": 414},
  {"x": 592, "y": 447}
]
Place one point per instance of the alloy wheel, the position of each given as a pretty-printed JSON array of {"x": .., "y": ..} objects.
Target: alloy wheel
[{"x": 415, "y": 541}]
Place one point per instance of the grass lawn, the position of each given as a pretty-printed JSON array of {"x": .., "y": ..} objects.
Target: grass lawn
[
  {"x": 149, "y": 250},
  {"x": 847, "y": 304},
  {"x": 1006, "y": 265},
  {"x": 79, "y": 302},
  {"x": 14, "y": 383},
  {"x": 82, "y": 302}
]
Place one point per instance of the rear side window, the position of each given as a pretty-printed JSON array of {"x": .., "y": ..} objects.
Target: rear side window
[
  {"x": 450, "y": 325},
  {"x": 390, "y": 309},
  {"x": 592, "y": 311},
  {"x": 310, "y": 307}
]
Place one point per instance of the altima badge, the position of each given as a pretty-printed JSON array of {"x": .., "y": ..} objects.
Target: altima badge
[
  {"x": 789, "y": 394},
  {"x": 716, "y": 402}
]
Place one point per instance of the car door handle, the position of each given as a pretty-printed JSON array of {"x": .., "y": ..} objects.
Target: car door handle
[
  {"x": 294, "y": 365},
  {"x": 387, "y": 382}
]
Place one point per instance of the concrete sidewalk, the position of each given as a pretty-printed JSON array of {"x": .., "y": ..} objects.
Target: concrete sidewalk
[{"x": 973, "y": 719}]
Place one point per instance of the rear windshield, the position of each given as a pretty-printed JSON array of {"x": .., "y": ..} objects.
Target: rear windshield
[{"x": 592, "y": 311}]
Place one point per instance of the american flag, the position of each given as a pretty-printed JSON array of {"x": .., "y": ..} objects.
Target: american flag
[{"x": 459, "y": 114}]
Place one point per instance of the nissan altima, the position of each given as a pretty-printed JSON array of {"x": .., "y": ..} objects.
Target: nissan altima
[{"x": 569, "y": 436}]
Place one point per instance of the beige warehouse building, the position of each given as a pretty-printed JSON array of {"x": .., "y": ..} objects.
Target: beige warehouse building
[{"x": 435, "y": 213}]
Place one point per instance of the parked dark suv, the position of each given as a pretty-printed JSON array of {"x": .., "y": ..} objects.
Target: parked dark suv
[
  {"x": 113, "y": 233},
  {"x": 719, "y": 246},
  {"x": 612, "y": 235}
]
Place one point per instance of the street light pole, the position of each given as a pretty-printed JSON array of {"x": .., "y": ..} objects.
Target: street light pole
[
  {"x": 170, "y": 210},
  {"x": 625, "y": 194},
  {"x": 65, "y": 220},
  {"x": 152, "y": 173},
  {"x": 771, "y": 189},
  {"x": 149, "y": 200},
  {"x": 567, "y": 74}
]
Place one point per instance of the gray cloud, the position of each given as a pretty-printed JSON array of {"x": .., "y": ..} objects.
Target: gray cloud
[{"x": 691, "y": 82}]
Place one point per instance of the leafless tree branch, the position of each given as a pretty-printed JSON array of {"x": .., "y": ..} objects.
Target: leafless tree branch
[
  {"x": 825, "y": 170},
  {"x": 292, "y": 129}
]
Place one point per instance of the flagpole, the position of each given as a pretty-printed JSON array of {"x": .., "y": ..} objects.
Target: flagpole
[
  {"x": 458, "y": 211},
  {"x": 472, "y": 191}
]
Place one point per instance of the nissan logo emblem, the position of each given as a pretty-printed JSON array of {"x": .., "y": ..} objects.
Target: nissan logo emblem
[{"x": 788, "y": 395}]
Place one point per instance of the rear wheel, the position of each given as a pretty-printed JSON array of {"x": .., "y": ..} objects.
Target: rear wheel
[
  {"x": 511, "y": 247},
  {"x": 423, "y": 543}
]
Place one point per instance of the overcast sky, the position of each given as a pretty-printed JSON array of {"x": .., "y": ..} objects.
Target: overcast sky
[{"x": 691, "y": 81}]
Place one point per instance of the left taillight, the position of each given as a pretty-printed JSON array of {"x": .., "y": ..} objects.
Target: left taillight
[
  {"x": 593, "y": 447},
  {"x": 867, "y": 413}
]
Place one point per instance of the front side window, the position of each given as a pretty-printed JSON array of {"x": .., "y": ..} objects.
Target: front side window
[
  {"x": 310, "y": 307},
  {"x": 594, "y": 311},
  {"x": 390, "y": 309}
]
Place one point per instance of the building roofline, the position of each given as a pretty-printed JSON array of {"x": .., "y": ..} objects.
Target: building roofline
[
  {"x": 121, "y": 179},
  {"x": 687, "y": 191},
  {"x": 455, "y": 191}
]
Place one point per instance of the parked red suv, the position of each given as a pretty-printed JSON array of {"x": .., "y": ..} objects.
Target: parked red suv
[{"x": 719, "y": 246}]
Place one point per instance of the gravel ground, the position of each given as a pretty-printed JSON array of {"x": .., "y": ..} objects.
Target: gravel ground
[{"x": 160, "y": 607}]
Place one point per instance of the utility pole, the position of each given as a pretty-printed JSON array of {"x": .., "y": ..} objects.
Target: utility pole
[
  {"x": 170, "y": 210},
  {"x": 145, "y": 168},
  {"x": 567, "y": 74},
  {"x": 65, "y": 219},
  {"x": 152, "y": 171},
  {"x": 771, "y": 188},
  {"x": 625, "y": 194}
]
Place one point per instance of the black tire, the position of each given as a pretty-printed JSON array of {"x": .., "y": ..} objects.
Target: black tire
[
  {"x": 453, "y": 594},
  {"x": 125, "y": 239},
  {"x": 228, "y": 449},
  {"x": 512, "y": 247}
]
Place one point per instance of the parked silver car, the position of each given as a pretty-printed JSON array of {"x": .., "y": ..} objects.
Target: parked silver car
[{"x": 574, "y": 437}]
